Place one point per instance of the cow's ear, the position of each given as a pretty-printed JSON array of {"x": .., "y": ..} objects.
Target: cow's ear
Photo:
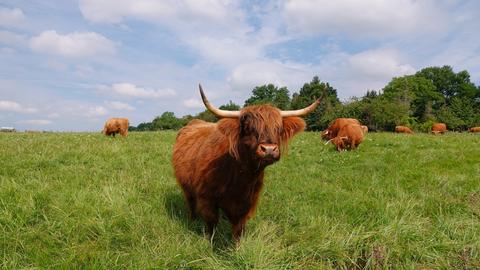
[
  {"x": 230, "y": 127},
  {"x": 292, "y": 126}
]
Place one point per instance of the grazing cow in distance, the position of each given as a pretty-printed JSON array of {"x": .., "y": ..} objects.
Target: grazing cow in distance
[
  {"x": 337, "y": 124},
  {"x": 349, "y": 137},
  {"x": 474, "y": 129},
  {"x": 439, "y": 128},
  {"x": 364, "y": 129},
  {"x": 116, "y": 125},
  {"x": 220, "y": 166},
  {"x": 403, "y": 129}
]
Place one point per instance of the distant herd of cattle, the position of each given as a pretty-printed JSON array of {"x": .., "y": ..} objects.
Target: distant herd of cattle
[
  {"x": 220, "y": 166},
  {"x": 344, "y": 133}
]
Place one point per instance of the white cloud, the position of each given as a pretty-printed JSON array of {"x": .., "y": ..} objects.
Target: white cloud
[
  {"x": 215, "y": 29},
  {"x": 53, "y": 115},
  {"x": 168, "y": 12},
  {"x": 376, "y": 64},
  {"x": 248, "y": 75},
  {"x": 113, "y": 11},
  {"x": 11, "y": 17},
  {"x": 84, "y": 71},
  {"x": 372, "y": 18},
  {"x": 193, "y": 103},
  {"x": 354, "y": 74},
  {"x": 76, "y": 44},
  {"x": 96, "y": 111},
  {"x": 12, "y": 106},
  {"x": 6, "y": 50},
  {"x": 117, "y": 105},
  {"x": 228, "y": 51},
  {"x": 128, "y": 89},
  {"x": 39, "y": 122},
  {"x": 10, "y": 38}
]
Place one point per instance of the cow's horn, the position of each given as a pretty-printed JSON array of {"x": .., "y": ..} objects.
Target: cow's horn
[
  {"x": 328, "y": 141},
  {"x": 304, "y": 111},
  {"x": 215, "y": 110}
]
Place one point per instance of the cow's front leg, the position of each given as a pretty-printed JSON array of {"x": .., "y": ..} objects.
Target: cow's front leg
[
  {"x": 238, "y": 229},
  {"x": 209, "y": 212},
  {"x": 238, "y": 219}
]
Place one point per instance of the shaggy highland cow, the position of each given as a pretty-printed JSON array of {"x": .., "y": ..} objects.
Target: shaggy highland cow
[
  {"x": 116, "y": 125},
  {"x": 220, "y": 166}
]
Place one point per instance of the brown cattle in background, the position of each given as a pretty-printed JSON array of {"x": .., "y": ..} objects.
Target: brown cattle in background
[
  {"x": 439, "y": 128},
  {"x": 220, "y": 166},
  {"x": 349, "y": 137},
  {"x": 116, "y": 125},
  {"x": 403, "y": 129},
  {"x": 474, "y": 129},
  {"x": 332, "y": 131}
]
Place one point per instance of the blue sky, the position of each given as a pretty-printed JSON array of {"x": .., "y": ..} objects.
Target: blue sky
[{"x": 70, "y": 65}]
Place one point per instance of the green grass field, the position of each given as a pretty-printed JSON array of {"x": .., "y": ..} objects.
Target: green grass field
[{"x": 82, "y": 200}]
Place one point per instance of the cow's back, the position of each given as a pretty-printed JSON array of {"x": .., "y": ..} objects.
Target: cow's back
[{"x": 439, "y": 128}]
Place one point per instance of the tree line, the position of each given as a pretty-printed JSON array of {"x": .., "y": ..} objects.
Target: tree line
[{"x": 433, "y": 94}]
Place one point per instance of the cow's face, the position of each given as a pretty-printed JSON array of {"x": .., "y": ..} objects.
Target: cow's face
[
  {"x": 327, "y": 134},
  {"x": 257, "y": 133},
  {"x": 261, "y": 130},
  {"x": 260, "y": 134}
]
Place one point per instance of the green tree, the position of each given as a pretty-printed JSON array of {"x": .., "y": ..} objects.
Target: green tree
[
  {"x": 270, "y": 94},
  {"x": 206, "y": 115},
  {"x": 148, "y": 126},
  {"x": 449, "y": 83},
  {"x": 166, "y": 121},
  {"x": 230, "y": 106},
  {"x": 416, "y": 93},
  {"x": 325, "y": 112}
]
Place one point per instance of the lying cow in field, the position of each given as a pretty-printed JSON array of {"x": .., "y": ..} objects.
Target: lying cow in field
[
  {"x": 439, "y": 128},
  {"x": 116, "y": 125},
  {"x": 349, "y": 137},
  {"x": 474, "y": 129},
  {"x": 220, "y": 166},
  {"x": 403, "y": 129},
  {"x": 332, "y": 131}
]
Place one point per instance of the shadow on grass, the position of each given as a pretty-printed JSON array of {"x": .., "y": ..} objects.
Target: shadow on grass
[{"x": 177, "y": 210}]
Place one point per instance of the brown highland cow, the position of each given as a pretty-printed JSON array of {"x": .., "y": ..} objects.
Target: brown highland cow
[
  {"x": 439, "y": 128},
  {"x": 116, "y": 125},
  {"x": 403, "y": 129},
  {"x": 220, "y": 166},
  {"x": 332, "y": 131},
  {"x": 349, "y": 137}
]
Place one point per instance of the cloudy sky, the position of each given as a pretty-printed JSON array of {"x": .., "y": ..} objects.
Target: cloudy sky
[{"x": 69, "y": 65}]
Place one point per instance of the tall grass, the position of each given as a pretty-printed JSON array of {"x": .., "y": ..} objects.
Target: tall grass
[{"x": 82, "y": 200}]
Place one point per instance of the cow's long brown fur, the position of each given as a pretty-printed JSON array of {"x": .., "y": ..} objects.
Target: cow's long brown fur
[
  {"x": 116, "y": 125},
  {"x": 474, "y": 129},
  {"x": 349, "y": 137},
  {"x": 439, "y": 128},
  {"x": 332, "y": 131},
  {"x": 216, "y": 167},
  {"x": 403, "y": 129}
]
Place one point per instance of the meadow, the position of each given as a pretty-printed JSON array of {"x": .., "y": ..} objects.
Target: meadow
[{"x": 83, "y": 200}]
